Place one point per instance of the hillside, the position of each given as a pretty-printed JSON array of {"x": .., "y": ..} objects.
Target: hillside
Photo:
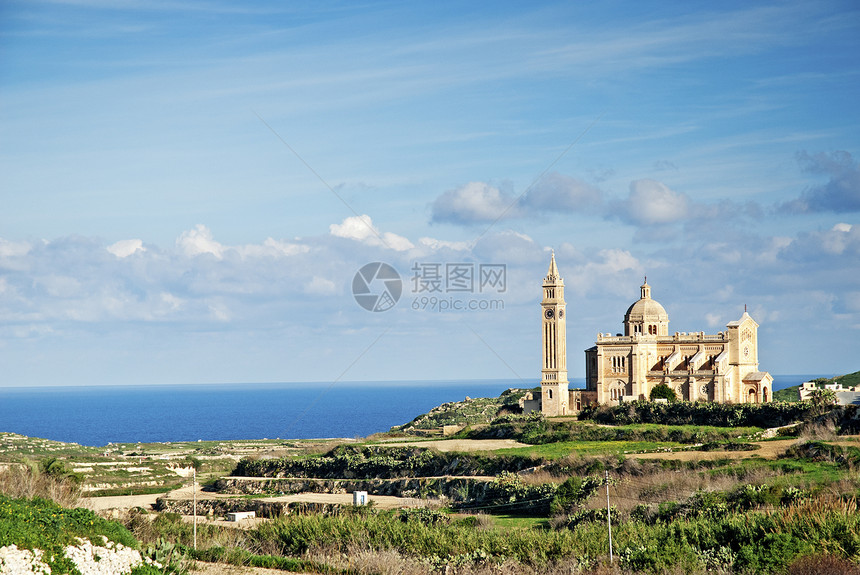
[
  {"x": 793, "y": 393},
  {"x": 471, "y": 411}
]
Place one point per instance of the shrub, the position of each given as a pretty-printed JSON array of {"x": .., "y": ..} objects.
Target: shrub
[
  {"x": 663, "y": 391},
  {"x": 574, "y": 491}
]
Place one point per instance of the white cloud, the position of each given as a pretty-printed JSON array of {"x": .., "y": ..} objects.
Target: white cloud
[
  {"x": 361, "y": 229},
  {"x": 652, "y": 203},
  {"x": 320, "y": 286},
  {"x": 220, "y": 312},
  {"x": 435, "y": 244},
  {"x": 475, "y": 202},
  {"x": 713, "y": 319},
  {"x": 556, "y": 192},
  {"x": 840, "y": 194},
  {"x": 199, "y": 241},
  {"x": 13, "y": 249},
  {"x": 272, "y": 248},
  {"x": 124, "y": 248},
  {"x": 171, "y": 302}
]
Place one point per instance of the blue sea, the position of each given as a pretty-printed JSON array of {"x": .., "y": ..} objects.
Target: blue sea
[{"x": 98, "y": 415}]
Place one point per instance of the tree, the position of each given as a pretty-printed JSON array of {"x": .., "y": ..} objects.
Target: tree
[
  {"x": 823, "y": 397},
  {"x": 663, "y": 391}
]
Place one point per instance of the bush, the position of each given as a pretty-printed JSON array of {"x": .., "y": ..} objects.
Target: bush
[
  {"x": 708, "y": 413},
  {"x": 663, "y": 391}
]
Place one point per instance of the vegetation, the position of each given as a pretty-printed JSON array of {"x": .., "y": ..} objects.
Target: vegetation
[
  {"x": 379, "y": 461},
  {"x": 705, "y": 537},
  {"x": 481, "y": 410},
  {"x": 793, "y": 393},
  {"x": 541, "y": 508},
  {"x": 787, "y": 394},
  {"x": 537, "y": 430},
  {"x": 663, "y": 391},
  {"x": 707, "y": 413}
]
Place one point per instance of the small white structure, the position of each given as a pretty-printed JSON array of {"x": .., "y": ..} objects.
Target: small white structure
[
  {"x": 240, "y": 515},
  {"x": 359, "y": 498}
]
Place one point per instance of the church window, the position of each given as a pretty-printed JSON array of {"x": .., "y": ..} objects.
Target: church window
[
  {"x": 619, "y": 364},
  {"x": 652, "y": 329},
  {"x": 549, "y": 393},
  {"x": 746, "y": 334}
]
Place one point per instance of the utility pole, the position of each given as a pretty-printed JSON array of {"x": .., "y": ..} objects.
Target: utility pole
[
  {"x": 194, "y": 489},
  {"x": 608, "y": 517}
]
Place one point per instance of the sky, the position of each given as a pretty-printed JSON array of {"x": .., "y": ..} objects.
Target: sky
[{"x": 189, "y": 189}]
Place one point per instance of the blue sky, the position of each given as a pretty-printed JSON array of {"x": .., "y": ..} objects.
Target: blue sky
[{"x": 187, "y": 189}]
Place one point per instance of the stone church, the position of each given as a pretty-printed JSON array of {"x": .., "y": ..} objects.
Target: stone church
[{"x": 700, "y": 367}]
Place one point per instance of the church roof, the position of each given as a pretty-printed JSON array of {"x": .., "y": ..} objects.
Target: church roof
[
  {"x": 744, "y": 317},
  {"x": 756, "y": 376},
  {"x": 646, "y": 309}
]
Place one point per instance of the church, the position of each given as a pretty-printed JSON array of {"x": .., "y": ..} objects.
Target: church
[{"x": 722, "y": 367}]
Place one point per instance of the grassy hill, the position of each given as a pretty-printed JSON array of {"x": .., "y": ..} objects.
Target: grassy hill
[{"x": 793, "y": 393}]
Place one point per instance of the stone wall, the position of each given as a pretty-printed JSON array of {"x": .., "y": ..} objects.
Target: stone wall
[
  {"x": 424, "y": 487},
  {"x": 221, "y": 507}
]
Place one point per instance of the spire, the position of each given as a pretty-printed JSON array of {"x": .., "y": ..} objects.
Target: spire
[
  {"x": 553, "y": 269},
  {"x": 646, "y": 290}
]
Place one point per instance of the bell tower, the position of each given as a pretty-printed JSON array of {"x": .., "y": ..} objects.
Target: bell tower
[{"x": 554, "y": 392}]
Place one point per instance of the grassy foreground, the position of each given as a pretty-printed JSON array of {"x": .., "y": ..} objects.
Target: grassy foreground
[{"x": 534, "y": 509}]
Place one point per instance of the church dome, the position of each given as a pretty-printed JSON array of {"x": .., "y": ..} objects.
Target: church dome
[{"x": 646, "y": 312}]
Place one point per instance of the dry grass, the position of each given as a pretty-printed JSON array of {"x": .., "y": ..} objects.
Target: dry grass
[
  {"x": 388, "y": 562},
  {"x": 819, "y": 432},
  {"x": 662, "y": 486},
  {"x": 25, "y": 481},
  {"x": 823, "y": 565},
  {"x": 540, "y": 477}
]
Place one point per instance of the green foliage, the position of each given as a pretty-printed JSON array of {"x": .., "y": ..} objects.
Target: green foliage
[
  {"x": 848, "y": 380},
  {"x": 57, "y": 469},
  {"x": 843, "y": 456},
  {"x": 823, "y": 397},
  {"x": 741, "y": 542},
  {"x": 663, "y": 391},
  {"x": 379, "y": 461},
  {"x": 788, "y": 394},
  {"x": 423, "y": 515},
  {"x": 573, "y": 492},
  {"x": 542, "y": 431},
  {"x": 170, "y": 556},
  {"x": 42, "y": 524},
  {"x": 707, "y": 413},
  {"x": 469, "y": 412},
  {"x": 243, "y": 557},
  {"x": 508, "y": 493}
]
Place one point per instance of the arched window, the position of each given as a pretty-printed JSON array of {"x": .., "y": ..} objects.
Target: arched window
[{"x": 549, "y": 393}]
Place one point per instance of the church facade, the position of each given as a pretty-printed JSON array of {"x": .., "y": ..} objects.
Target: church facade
[{"x": 721, "y": 367}]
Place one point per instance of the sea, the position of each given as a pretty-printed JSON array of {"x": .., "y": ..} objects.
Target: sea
[{"x": 98, "y": 415}]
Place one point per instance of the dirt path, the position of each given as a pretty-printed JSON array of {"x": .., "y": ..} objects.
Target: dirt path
[
  {"x": 121, "y": 502},
  {"x": 767, "y": 450},
  {"x": 462, "y": 444},
  {"x": 223, "y": 569}
]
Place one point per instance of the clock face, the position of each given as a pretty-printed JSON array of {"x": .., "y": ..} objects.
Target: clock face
[
  {"x": 548, "y": 314},
  {"x": 704, "y": 390},
  {"x": 560, "y": 313}
]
